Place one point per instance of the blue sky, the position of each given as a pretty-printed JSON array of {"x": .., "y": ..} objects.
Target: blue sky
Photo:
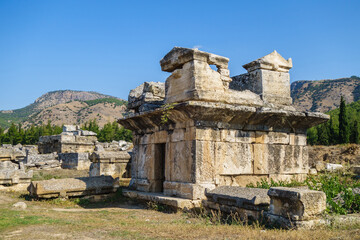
[{"x": 113, "y": 46}]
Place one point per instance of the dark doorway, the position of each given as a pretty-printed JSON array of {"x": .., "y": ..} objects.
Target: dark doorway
[{"x": 159, "y": 166}]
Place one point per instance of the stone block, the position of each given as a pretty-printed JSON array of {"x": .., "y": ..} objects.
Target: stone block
[
  {"x": 15, "y": 176},
  {"x": 296, "y": 203},
  {"x": 234, "y": 158},
  {"x": 260, "y": 156},
  {"x": 205, "y": 161},
  {"x": 233, "y": 135},
  {"x": 178, "y": 135},
  {"x": 115, "y": 164},
  {"x": 248, "y": 198},
  {"x": 69, "y": 187},
  {"x": 272, "y": 137},
  {"x": 79, "y": 161},
  {"x": 181, "y": 161},
  {"x": 70, "y": 128},
  {"x": 159, "y": 137},
  {"x": 333, "y": 167},
  {"x": 207, "y": 134},
  {"x": 298, "y": 139},
  {"x": 34, "y": 158}
]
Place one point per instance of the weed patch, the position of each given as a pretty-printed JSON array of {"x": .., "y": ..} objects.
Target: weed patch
[{"x": 338, "y": 187}]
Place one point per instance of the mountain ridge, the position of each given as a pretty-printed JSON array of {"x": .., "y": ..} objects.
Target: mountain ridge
[
  {"x": 324, "y": 95},
  {"x": 30, "y": 113}
]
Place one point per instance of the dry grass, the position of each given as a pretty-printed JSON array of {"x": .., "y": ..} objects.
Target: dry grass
[{"x": 123, "y": 219}]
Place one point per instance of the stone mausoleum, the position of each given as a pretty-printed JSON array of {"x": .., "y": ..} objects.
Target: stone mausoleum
[{"x": 213, "y": 130}]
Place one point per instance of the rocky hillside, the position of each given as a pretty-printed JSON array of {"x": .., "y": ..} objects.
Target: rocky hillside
[
  {"x": 324, "y": 95},
  {"x": 64, "y": 96},
  {"x": 67, "y": 107}
]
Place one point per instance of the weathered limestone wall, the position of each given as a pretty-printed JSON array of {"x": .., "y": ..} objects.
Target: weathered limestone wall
[{"x": 199, "y": 158}]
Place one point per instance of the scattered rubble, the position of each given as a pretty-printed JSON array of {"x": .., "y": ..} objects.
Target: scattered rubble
[
  {"x": 147, "y": 96},
  {"x": 12, "y": 170}
]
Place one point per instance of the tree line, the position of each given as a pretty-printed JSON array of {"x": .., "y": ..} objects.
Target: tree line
[
  {"x": 16, "y": 134},
  {"x": 343, "y": 126},
  {"x": 110, "y": 131}
]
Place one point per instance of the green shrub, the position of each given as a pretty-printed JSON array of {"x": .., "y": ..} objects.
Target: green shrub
[{"x": 338, "y": 188}]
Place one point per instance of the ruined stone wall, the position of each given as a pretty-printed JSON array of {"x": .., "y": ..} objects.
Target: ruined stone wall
[{"x": 202, "y": 157}]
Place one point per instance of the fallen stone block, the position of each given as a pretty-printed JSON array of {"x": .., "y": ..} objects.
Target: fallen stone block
[
  {"x": 49, "y": 160},
  {"x": 79, "y": 161},
  {"x": 247, "y": 202},
  {"x": 174, "y": 202},
  {"x": 333, "y": 167},
  {"x": 70, "y": 187},
  {"x": 296, "y": 206},
  {"x": 15, "y": 176},
  {"x": 12, "y": 154}
]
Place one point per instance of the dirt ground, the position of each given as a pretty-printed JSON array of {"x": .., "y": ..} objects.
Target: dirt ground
[
  {"x": 121, "y": 218},
  {"x": 345, "y": 154}
]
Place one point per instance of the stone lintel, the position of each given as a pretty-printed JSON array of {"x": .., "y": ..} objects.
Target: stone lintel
[{"x": 178, "y": 56}]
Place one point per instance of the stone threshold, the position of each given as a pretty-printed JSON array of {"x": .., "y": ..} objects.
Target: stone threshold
[{"x": 175, "y": 202}]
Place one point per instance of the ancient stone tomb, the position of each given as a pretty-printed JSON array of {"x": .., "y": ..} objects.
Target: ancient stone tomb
[{"x": 215, "y": 130}]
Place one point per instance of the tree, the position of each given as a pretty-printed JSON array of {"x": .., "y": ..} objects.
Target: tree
[
  {"x": 312, "y": 136},
  {"x": 333, "y": 132},
  {"x": 323, "y": 134},
  {"x": 343, "y": 123},
  {"x": 354, "y": 136}
]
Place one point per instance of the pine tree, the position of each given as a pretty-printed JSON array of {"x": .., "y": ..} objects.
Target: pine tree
[
  {"x": 323, "y": 134},
  {"x": 333, "y": 132},
  {"x": 354, "y": 136},
  {"x": 343, "y": 123},
  {"x": 312, "y": 136}
]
